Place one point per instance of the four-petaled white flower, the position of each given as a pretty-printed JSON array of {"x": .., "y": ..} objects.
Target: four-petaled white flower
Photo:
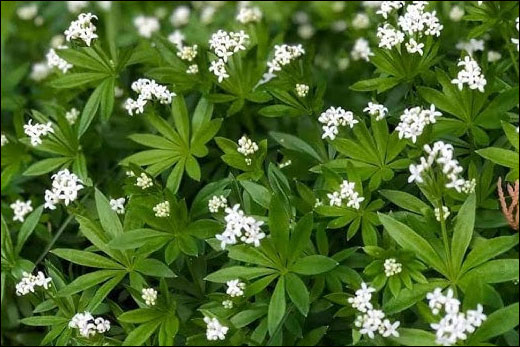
[
  {"x": 118, "y": 205},
  {"x": 214, "y": 330},
  {"x": 82, "y": 29},
  {"x": 65, "y": 187},
  {"x": 29, "y": 282},
  {"x": 235, "y": 288},
  {"x": 21, "y": 209}
]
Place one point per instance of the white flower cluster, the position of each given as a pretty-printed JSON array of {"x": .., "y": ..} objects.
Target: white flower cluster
[
  {"x": 149, "y": 296},
  {"x": 247, "y": 148},
  {"x": 21, "y": 209},
  {"x": 82, "y": 29},
  {"x": 414, "y": 22},
  {"x": 235, "y": 288},
  {"x": 513, "y": 40},
  {"x": 333, "y": 118},
  {"x": 361, "y": 21},
  {"x": 377, "y": 110},
  {"x": 346, "y": 192},
  {"x": 361, "y": 50},
  {"x": 146, "y": 25},
  {"x": 284, "y": 55},
  {"x": 180, "y": 16},
  {"x": 249, "y": 15},
  {"x": 455, "y": 325},
  {"x": 445, "y": 213},
  {"x": 27, "y": 12},
  {"x": 72, "y": 115},
  {"x": 187, "y": 53},
  {"x": 29, "y": 282},
  {"x": 443, "y": 155},
  {"x": 118, "y": 205},
  {"x": 301, "y": 90},
  {"x": 493, "y": 56},
  {"x": 177, "y": 38},
  {"x": 5, "y": 140},
  {"x": 65, "y": 186},
  {"x": 216, "y": 203},
  {"x": 40, "y": 71},
  {"x": 228, "y": 304},
  {"x": 414, "y": 121},
  {"x": 240, "y": 227},
  {"x": 214, "y": 330},
  {"x": 54, "y": 60},
  {"x": 148, "y": 90},
  {"x": 143, "y": 181},
  {"x": 89, "y": 326},
  {"x": 224, "y": 44},
  {"x": 36, "y": 131},
  {"x": 456, "y": 13},
  {"x": 371, "y": 321},
  {"x": 162, "y": 209},
  {"x": 471, "y": 74},
  {"x": 76, "y": 6},
  {"x": 471, "y": 46},
  {"x": 392, "y": 267}
]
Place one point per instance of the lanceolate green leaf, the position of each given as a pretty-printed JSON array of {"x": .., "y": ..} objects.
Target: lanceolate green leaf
[
  {"x": 298, "y": 293},
  {"x": 276, "y": 306},
  {"x": 463, "y": 231}
]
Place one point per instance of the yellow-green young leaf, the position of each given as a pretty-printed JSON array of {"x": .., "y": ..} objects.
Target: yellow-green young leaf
[
  {"x": 496, "y": 324},
  {"x": 276, "y": 309},
  {"x": 298, "y": 293},
  {"x": 410, "y": 240},
  {"x": 86, "y": 258},
  {"x": 463, "y": 231},
  {"x": 313, "y": 265},
  {"x": 242, "y": 272}
]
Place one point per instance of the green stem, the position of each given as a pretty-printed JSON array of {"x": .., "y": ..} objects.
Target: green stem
[{"x": 445, "y": 241}]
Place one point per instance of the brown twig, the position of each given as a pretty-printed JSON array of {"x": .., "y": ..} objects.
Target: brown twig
[{"x": 511, "y": 212}]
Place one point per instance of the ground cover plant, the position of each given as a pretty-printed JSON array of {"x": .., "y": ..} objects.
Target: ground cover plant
[{"x": 259, "y": 173}]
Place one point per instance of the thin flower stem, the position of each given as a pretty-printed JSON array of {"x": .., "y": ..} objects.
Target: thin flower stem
[{"x": 445, "y": 241}]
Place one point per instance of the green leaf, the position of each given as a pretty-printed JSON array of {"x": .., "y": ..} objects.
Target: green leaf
[
  {"x": 87, "y": 281},
  {"x": 47, "y": 165},
  {"x": 247, "y": 317},
  {"x": 258, "y": 193},
  {"x": 153, "y": 267},
  {"x": 298, "y": 293},
  {"x": 415, "y": 337},
  {"x": 103, "y": 292},
  {"x": 140, "y": 315},
  {"x": 39, "y": 321},
  {"x": 72, "y": 80},
  {"x": 86, "y": 258},
  {"x": 463, "y": 231},
  {"x": 181, "y": 118},
  {"x": 274, "y": 111},
  {"x": 138, "y": 336},
  {"x": 410, "y": 240},
  {"x": 511, "y": 134},
  {"x": 153, "y": 141},
  {"x": 313, "y": 265},
  {"x": 494, "y": 271},
  {"x": 295, "y": 144},
  {"x": 405, "y": 200},
  {"x": 80, "y": 59},
  {"x": 193, "y": 168},
  {"x": 276, "y": 309},
  {"x": 380, "y": 84},
  {"x": 279, "y": 223},
  {"x": 248, "y": 254},
  {"x": 408, "y": 297},
  {"x": 27, "y": 228},
  {"x": 233, "y": 272},
  {"x": 496, "y": 324},
  {"x": 91, "y": 107},
  {"x": 108, "y": 217},
  {"x": 107, "y": 99},
  {"x": 301, "y": 236},
  {"x": 313, "y": 337},
  {"x": 500, "y": 156},
  {"x": 487, "y": 249}
]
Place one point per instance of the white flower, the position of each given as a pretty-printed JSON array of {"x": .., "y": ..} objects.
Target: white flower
[
  {"x": 387, "y": 328},
  {"x": 347, "y": 193},
  {"x": 216, "y": 203},
  {"x": 177, "y": 38},
  {"x": 387, "y": 7},
  {"x": 338, "y": 6},
  {"x": 143, "y": 181},
  {"x": 414, "y": 121},
  {"x": 392, "y": 267},
  {"x": 246, "y": 147},
  {"x": 300, "y": 17},
  {"x": 192, "y": 69},
  {"x": 228, "y": 304},
  {"x": 249, "y": 15},
  {"x": 21, "y": 209},
  {"x": 53, "y": 60},
  {"x": 149, "y": 296},
  {"x": 240, "y": 227},
  {"x": 445, "y": 213},
  {"x": 284, "y": 55},
  {"x": 162, "y": 209},
  {"x": 493, "y": 56},
  {"x": 361, "y": 21},
  {"x": 475, "y": 317},
  {"x": 301, "y": 90},
  {"x": 377, "y": 110},
  {"x": 146, "y": 25},
  {"x": 218, "y": 67},
  {"x": 339, "y": 26},
  {"x": 57, "y": 41},
  {"x": 89, "y": 326},
  {"x": 513, "y": 40},
  {"x": 28, "y": 283},
  {"x": 471, "y": 46},
  {"x": 118, "y": 205},
  {"x": 318, "y": 203},
  {"x": 27, "y": 12},
  {"x": 5, "y": 140},
  {"x": 187, "y": 53},
  {"x": 180, "y": 16},
  {"x": 65, "y": 187},
  {"x": 471, "y": 74},
  {"x": 36, "y": 131},
  {"x": 333, "y": 118},
  {"x": 224, "y": 44},
  {"x": 306, "y": 31},
  {"x": 389, "y": 37},
  {"x": 82, "y": 29},
  {"x": 456, "y": 13},
  {"x": 104, "y": 5},
  {"x": 413, "y": 47},
  {"x": 361, "y": 300},
  {"x": 72, "y": 115},
  {"x": 39, "y": 71},
  {"x": 76, "y": 6},
  {"x": 148, "y": 90},
  {"x": 361, "y": 50},
  {"x": 207, "y": 14},
  {"x": 214, "y": 330},
  {"x": 235, "y": 288}
]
